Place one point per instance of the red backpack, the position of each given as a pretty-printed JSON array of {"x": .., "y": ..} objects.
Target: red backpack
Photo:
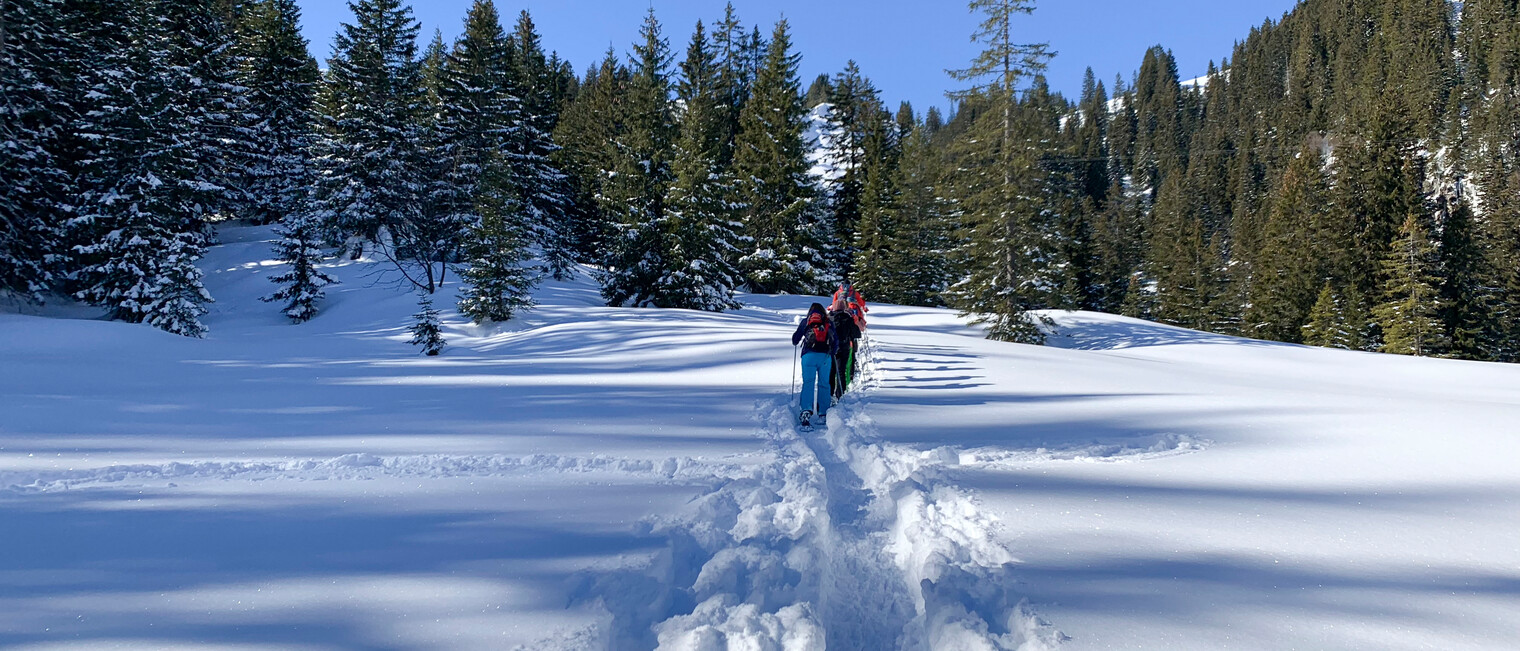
[{"x": 818, "y": 331}]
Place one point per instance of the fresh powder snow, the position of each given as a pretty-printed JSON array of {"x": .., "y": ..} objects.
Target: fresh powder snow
[{"x": 587, "y": 477}]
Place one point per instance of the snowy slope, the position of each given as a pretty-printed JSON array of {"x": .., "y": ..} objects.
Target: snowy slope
[{"x": 597, "y": 478}]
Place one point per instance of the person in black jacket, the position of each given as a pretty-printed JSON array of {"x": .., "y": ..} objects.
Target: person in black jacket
[
  {"x": 844, "y": 359},
  {"x": 820, "y": 343}
]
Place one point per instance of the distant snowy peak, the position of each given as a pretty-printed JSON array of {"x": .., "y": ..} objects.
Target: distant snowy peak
[{"x": 821, "y": 136}]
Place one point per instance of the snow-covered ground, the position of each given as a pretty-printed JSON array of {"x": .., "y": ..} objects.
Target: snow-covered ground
[{"x": 597, "y": 478}]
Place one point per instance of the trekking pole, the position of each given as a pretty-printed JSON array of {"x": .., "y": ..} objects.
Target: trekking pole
[
  {"x": 849, "y": 369},
  {"x": 794, "y": 370}
]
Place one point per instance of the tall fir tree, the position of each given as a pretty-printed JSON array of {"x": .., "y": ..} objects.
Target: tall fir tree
[
  {"x": 1410, "y": 311},
  {"x": 373, "y": 104},
  {"x": 586, "y": 132},
  {"x": 788, "y": 235},
  {"x": 281, "y": 78},
  {"x": 703, "y": 228},
  {"x": 543, "y": 188},
  {"x": 904, "y": 242},
  {"x": 137, "y": 229},
  {"x": 498, "y": 278},
  {"x": 1294, "y": 261},
  {"x": 999, "y": 192},
  {"x": 203, "y": 65},
  {"x": 857, "y": 116},
  {"x": 634, "y": 196},
  {"x": 32, "y": 122}
]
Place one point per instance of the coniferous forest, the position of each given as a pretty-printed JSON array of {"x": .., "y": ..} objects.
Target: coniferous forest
[{"x": 1348, "y": 177}]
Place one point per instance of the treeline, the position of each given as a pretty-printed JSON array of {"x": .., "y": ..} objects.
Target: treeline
[
  {"x": 1348, "y": 178},
  {"x": 130, "y": 126}
]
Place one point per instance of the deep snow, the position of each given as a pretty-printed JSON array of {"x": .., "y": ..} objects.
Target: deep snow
[{"x": 597, "y": 478}]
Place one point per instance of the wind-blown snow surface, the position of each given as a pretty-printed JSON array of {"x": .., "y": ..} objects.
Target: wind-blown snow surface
[{"x": 597, "y": 478}]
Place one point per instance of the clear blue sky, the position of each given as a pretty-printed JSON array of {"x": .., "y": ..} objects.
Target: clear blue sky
[{"x": 904, "y": 46}]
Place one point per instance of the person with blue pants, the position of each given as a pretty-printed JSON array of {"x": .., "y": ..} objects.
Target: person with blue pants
[{"x": 820, "y": 343}]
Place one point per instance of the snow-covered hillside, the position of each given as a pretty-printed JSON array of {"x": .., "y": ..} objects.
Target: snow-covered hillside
[{"x": 598, "y": 478}]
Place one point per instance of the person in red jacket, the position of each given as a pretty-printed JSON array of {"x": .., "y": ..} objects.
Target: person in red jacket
[{"x": 854, "y": 301}]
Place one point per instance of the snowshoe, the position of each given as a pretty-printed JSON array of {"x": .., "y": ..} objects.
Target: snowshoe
[{"x": 805, "y": 421}]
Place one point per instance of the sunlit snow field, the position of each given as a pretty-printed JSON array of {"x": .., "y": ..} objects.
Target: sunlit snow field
[{"x": 597, "y": 478}]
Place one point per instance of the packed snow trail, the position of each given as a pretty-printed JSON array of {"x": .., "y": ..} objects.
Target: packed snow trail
[{"x": 842, "y": 543}]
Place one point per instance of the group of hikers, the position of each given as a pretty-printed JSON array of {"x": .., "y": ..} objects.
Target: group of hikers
[{"x": 829, "y": 338}]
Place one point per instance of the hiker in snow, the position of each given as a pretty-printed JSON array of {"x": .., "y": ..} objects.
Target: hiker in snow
[
  {"x": 820, "y": 343},
  {"x": 844, "y": 360},
  {"x": 852, "y": 297}
]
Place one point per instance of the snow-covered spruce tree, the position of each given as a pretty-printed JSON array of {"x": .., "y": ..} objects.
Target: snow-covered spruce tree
[
  {"x": 634, "y": 196},
  {"x": 204, "y": 66},
  {"x": 427, "y": 332},
  {"x": 370, "y": 149},
  {"x": 468, "y": 133},
  {"x": 281, "y": 78},
  {"x": 478, "y": 116},
  {"x": 699, "y": 271},
  {"x": 498, "y": 279},
  {"x": 788, "y": 234},
  {"x": 137, "y": 228},
  {"x": 301, "y": 284},
  {"x": 586, "y": 132},
  {"x": 31, "y": 121},
  {"x": 543, "y": 188},
  {"x": 999, "y": 188}
]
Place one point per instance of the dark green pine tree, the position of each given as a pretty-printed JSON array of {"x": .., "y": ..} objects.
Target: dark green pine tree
[
  {"x": 544, "y": 192},
  {"x": 281, "y": 78},
  {"x": 1067, "y": 253},
  {"x": 734, "y": 77},
  {"x": 634, "y": 196},
  {"x": 1378, "y": 182},
  {"x": 498, "y": 277},
  {"x": 703, "y": 228},
  {"x": 1491, "y": 46},
  {"x": 371, "y": 145},
  {"x": 586, "y": 133},
  {"x": 1161, "y": 133},
  {"x": 32, "y": 122},
  {"x": 204, "y": 68},
  {"x": 859, "y": 121},
  {"x": 1185, "y": 261},
  {"x": 999, "y": 189},
  {"x": 1410, "y": 311},
  {"x": 905, "y": 239},
  {"x": 789, "y": 238},
  {"x": 1470, "y": 300},
  {"x": 135, "y": 226},
  {"x": 476, "y": 118},
  {"x": 1336, "y": 321},
  {"x": 1293, "y": 263}
]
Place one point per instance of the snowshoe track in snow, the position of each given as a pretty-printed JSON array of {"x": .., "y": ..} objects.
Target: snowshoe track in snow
[
  {"x": 364, "y": 466},
  {"x": 843, "y": 542}
]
